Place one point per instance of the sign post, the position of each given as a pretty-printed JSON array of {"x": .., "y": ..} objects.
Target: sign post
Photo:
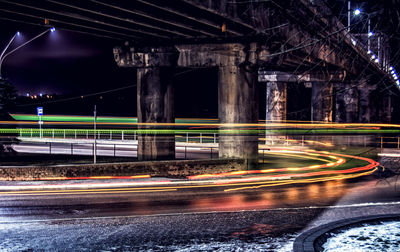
[
  {"x": 40, "y": 114},
  {"x": 94, "y": 135}
]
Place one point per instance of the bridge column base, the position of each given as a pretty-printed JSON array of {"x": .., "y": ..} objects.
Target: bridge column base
[
  {"x": 238, "y": 103},
  {"x": 276, "y": 101},
  {"x": 155, "y": 104},
  {"x": 321, "y": 101},
  {"x": 346, "y": 103},
  {"x": 364, "y": 99}
]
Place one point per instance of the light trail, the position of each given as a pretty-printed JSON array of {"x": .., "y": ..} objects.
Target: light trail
[
  {"x": 328, "y": 163},
  {"x": 233, "y": 183}
]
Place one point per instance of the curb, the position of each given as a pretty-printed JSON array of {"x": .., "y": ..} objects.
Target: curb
[{"x": 305, "y": 241}]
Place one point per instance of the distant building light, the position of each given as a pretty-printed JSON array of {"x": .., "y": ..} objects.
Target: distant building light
[
  {"x": 40, "y": 94},
  {"x": 357, "y": 12},
  {"x": 27, "y": 94}
]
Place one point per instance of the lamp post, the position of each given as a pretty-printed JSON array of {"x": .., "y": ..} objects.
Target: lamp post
[
  {"x": 358, "y": 12},
  {"x": 348, "y": 15},
  {"x": 94, "y": 135},
  {"x": 5, "y": 49},
  {"x": 4, "y": 54}
]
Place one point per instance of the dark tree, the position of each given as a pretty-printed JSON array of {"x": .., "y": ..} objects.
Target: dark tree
[{"x": 8, "y": 96}]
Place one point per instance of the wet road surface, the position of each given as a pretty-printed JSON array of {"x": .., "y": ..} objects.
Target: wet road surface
[{"x": 188, "y": 220}]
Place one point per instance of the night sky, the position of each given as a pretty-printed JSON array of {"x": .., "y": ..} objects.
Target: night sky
[
  {"x": 72, "y": 65},
  {"x": 62, "y": 62}
]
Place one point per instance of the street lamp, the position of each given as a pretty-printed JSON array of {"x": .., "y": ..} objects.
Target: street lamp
[
  {"x": 5, "y": 49},
  {"x": 4, "y": 54},
  {"x": 358, "y": 12}
]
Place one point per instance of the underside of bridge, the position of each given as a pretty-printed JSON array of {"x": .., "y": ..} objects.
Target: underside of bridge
[{"x": 253, "y": 44}]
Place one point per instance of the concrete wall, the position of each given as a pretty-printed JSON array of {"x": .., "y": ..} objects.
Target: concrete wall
[{"x": 176, "y": 168}]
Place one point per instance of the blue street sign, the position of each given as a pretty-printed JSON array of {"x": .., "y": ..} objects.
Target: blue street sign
[{"x": 39, "y": 111}]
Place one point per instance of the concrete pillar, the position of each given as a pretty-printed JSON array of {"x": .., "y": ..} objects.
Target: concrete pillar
[
  {"x": 276, "y": 102},
  {"x": 238, "y": 103},
  {"x": 385, "y": 111},
  {"x": 365, "y": 104},
  {"x": 155, "y": 104},
  {"x": 322, "y": 101},
  {"x": 346, "y": 103}
]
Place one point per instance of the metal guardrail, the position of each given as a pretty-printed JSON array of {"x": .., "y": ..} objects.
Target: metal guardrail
[
  {"x": 115, "y": 150},
  {"x": 112, "y": 135}
]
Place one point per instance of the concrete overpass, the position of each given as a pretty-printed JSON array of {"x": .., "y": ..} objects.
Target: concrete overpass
[{"x": 281, "y": 43}]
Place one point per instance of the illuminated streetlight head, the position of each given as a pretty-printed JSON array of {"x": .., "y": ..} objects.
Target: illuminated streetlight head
[
  {"x": 18, "y": 33},
  {"x": 357, "y": 12},
  {"x": 53, "y": 29},
  {"x": 391, "y": 68},
  {"x": 370, "y": 34}
]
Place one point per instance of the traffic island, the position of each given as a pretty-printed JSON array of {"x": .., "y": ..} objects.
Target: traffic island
[
  {"x": 314, "y": 239},
  {"x": 170, "y": 168}
]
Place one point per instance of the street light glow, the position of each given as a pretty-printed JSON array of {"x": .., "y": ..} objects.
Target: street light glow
[
  {"x": 370, "y": 34},
  {"x": 391, "y": 68},
  {"x": 357, "y": 12},
  {"x": 53, "y": 29},
  {"x": 18, "y": 33}
]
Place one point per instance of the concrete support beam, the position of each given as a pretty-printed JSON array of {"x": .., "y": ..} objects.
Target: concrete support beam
[
  {"x": 237, "y": 104},
  {"x": 385, "y": 112},
  {"x": 276, "y": 101},
  {"x": 346, "y": 103},
  {"x": 155, "y": 104},
  {"x": 277, "y": 76},
  {"x": 364, "y": 99},
  {"x": 155, "y": 95},
  {"x": 322, "y": 101}
]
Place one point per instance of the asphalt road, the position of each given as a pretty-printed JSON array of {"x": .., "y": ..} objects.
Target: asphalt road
[{"x": 203, "y": 219}]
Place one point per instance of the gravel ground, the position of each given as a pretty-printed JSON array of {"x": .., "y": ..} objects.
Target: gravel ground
[
  {"x": 384, "y": 236},
  {"x": 243, "y": 231}
]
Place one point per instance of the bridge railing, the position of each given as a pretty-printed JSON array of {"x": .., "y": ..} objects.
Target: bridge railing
[
  {"x": 105, "y": 134},
  {"x": 108, "y": 149}
]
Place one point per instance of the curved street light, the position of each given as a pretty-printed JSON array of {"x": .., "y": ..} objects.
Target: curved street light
[{"x": 4, "y": 54}]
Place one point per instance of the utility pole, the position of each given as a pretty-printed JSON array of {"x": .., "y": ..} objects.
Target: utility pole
[
  {"x": 348, "y": 15},
  {"x": 94, "y": 134}
]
